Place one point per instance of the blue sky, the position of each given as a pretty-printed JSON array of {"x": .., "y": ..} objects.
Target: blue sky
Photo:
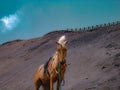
[{"x": 25, "y": 19}]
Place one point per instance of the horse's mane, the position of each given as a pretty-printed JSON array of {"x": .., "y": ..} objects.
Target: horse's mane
[{"x": 62, "y": 40}]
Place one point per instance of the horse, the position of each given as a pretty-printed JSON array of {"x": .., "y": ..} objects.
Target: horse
[{"x": 54, "y": 69}]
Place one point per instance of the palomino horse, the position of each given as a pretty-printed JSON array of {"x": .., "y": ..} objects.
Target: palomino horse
[{"x": 54, "y": 69}]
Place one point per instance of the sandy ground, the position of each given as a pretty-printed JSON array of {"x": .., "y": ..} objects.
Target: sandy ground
[{"x": 93, "y": 60}]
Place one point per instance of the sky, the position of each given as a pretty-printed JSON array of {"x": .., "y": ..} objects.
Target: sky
[{"x": 26, "y": 19}]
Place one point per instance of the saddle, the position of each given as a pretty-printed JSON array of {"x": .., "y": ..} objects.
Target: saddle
[
  {"x": 46, "y": 66},
  {"x": 62, "y": 63}
]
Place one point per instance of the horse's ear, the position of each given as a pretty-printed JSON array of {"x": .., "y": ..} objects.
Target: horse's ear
[
  {"x": 58, "y": 45},
  {"x": 66, "y": 42}
]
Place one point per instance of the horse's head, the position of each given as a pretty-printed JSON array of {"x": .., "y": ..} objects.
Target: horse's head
[{"x": 62, "y": 48}]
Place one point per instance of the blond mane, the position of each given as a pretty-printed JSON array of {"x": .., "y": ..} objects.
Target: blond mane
[{"x": 62, "y": 40}]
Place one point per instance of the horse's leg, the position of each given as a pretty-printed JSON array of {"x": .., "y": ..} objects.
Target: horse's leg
[
  {"x": 58, "y": 84},
  {"x": 51, "y": 83},
  {"x": 63, "y": 82},
  {"x": 46, "y": 87},
  {"x": 37, "y": 84}
]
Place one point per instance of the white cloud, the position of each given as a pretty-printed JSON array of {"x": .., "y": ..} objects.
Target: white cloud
[{"x": 9, "y": 22}]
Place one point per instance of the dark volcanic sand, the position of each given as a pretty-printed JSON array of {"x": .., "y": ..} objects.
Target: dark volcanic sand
[{"x": 93, "y": 60}]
